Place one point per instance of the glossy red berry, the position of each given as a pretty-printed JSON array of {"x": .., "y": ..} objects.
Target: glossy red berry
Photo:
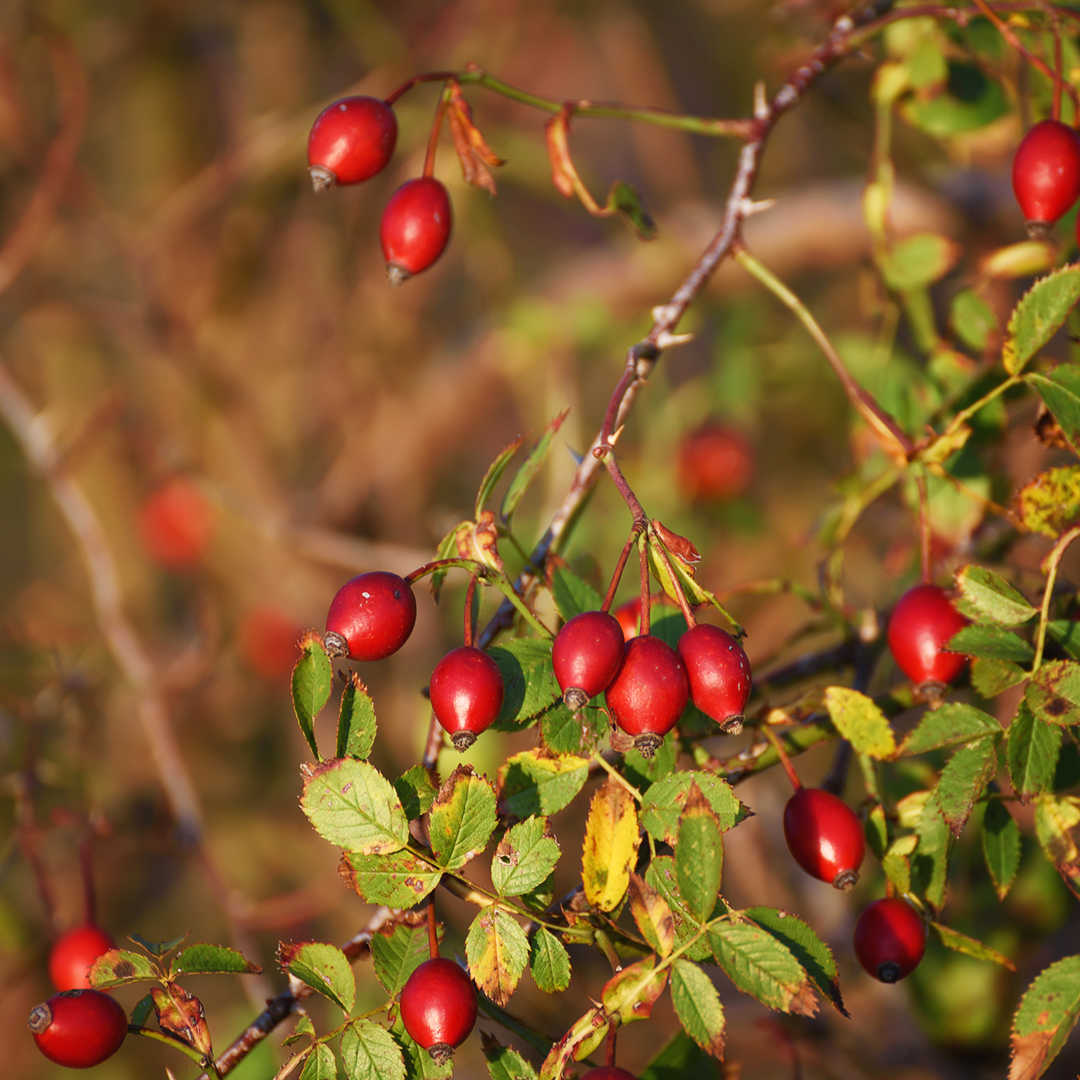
[
  {"x": 824, "y": 836},
  {"x": 715, "y": 462},
  {"x": 1046, "y": 174},
  {"x": 718, "y": 671},
  {"x": 466, "y": 694},
  {"x": 919, "y": 627},
  {"x": 608, "y": 1072},
  {"x": 176, "y": 524},
  {"x": 351, "y": 140},
  {"x": 371, "y": 616},
  {"x": 78, "y": 1028},
  {"x": 415, "y": 227},
  {"x": 586, "y": 655},
  {"x": 438, "y": 1007},
  {"x": 649, "y": 692},
  {"x": 73, "y": 953},
  {"x": 628, "y": 615},
  {"x": 890, "y": 939}
]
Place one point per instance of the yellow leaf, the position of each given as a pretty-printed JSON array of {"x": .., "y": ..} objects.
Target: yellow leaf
[{"x": 611, "y": 843}]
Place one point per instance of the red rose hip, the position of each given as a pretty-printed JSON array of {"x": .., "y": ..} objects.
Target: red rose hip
[
  {"x": 78, "y": 1028},
  {"x": 586, "y": 655},
  {"x": 824, "y": 836},
  {"x": 718, "y": 671},
  {"x": 608, "y": 1072},
  {"x": 370, "y": 617},
  {"x": 74, "y": 953},
  {"x": 176, "y": 524},
  {"x": 438, "y": 1007},
  {"x": 919, "y": 627},
  {"x": 649, "y": 692},
  {"x": 351, "y": 140},
  {"x": 715, "y": 463},
  {"x": 415, "y": 227},
  {"x": 466, "y": 694},
  {"x": 890, "y": 939},
  {"x": 1046, "y": 174}
]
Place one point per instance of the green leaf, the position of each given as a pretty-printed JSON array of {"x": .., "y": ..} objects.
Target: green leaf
[
  {"x": 533, "y": 782},
  {"x": 623, "y": 198},
  {"x": 1039, "y": 315},
  {"x": 399, "y": 880},
  {"x": 351, "y": 804},
  {"x": 531, "y": 466},
  {"x": 504, "y": 1063},
  {"x": 323, "y": 967},
  {"x": 970, "y": 101},
  {"x": 949, "y": 725},
  {"x": 918, "y": 261},
  {"x": 680, "y": 1058},
  {"x": 631, "y": 992},
  {"x": 1057, "y": 826},
  {"x": 416, "y": 791},
  {"x": 1032, "y": 752},
  {"x": 1050, "y": 502},
  {"x": 1001, "y": 846},
  {"x": 549, "y": 962},
  {"x": 988, "y": 596},
  {"x": 973, "y": 320},
  {"x": 566, "y": 732},
  {"x": 963, "y": 781},
  {"x": 930, "y": 862},
  {"x": 699, "y": 855},
  {"x": 118, "y": 967},
  {"x": 396, "y": 954},
  {"x": 810, "y": 951},
  {"x": 663, "y": 803},
  {"x": 207, "y": 959},
  {"x": 1060, "y": 389},
  {"x": 992, "y": 677},
  {"x": 661, "y": 878},
  {"x": 860, "y": 721},
  {"x": 356, "y": 720},
  {"x": 989, "y": 640},
  {"x": 447, "y": 549},
  {"x": 462, "y": 818},
  {"x": 312, "y": 680},
  {"x": 368, "y": 1052},
  {"x": 698, "y": 1007},
  {"x": 762, "y": 966},
  {"x": 529, "y": 683},
  {"x": 573, "y": 595},
  {"x": 1053, "y": 694},
  {"x": 497, "y": 950},
  {"x": 319, "y": 1064},
  {"x": 495, "y": 470},
  {"x": 1066, "y": 632},
  {"x": 526, "y": 855},
  {"x": 1046, "y": 1015},
  {"x": 419, "y": 1064},
  {"x": 961, "y": 943}
]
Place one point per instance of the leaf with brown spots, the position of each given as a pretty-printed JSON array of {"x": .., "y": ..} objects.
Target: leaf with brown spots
[
  {"x": 1046, "y": 1015},
  {"x": 631, "y": 993},
  {"x": 652, "y": 915},
  {"x": 587, "y": 1033},
  {"x": 181, "y": 1014}
]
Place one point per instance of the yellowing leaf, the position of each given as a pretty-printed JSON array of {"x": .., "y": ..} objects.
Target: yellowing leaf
[
  {"x": 611, "y": 843},
  {"x": 860, "y": 721}
]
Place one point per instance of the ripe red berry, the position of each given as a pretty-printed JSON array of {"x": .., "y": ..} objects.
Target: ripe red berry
[
  {"x": 438, "y": 1007},
  {"x": 715, "y": 462},
  {"x": 628, "y": 615},
  {"x": 719, "y": 674},
  {"x": 649, "y": 692},
  {"x": 890, "y": 939},
  {"x": 1046, "y": 174},
  {"x": 73, "y": 953},
  {"x": 351, "y": 140},
  {"x": 78, "y": 1028},
  {"x": 371, "y": 616},
  {"x": 920, "y": 625},
  {"x": 824, "y": 836},
  {"x": 608, "y": 1072},
  {"x": 586, "y": 655},
  {"x": 466, "y": 694},
  {"x": 176, "y": 524},
  {"x": 415, "y": 227}
]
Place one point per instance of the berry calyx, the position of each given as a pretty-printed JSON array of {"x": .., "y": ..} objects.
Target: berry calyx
[
  {"x": 415, "y": 227},
  {"x": 466, "y": 694},
  {"x": 921, "y": 623},
  {"x": 649, "y": 692},
  {"x": 718, "y": 671},
  {"x": 608, "y": 1072},
  {"x": 1046, "y": 174},
  {"x": 74, "y": 953},
  {"x": 176, "y": 524},
  {"x": 890, "y": 939},
  {"x": 824, "y": 836},
  {"x": 370, "y": 617},
  {"x": 438, "y": 1007},
  {"x": 715, "y": 462},
  {"x": 351, "y": 140},
  {"x": 78, "y": 1028},
  {"x": 586, "y": 655}
]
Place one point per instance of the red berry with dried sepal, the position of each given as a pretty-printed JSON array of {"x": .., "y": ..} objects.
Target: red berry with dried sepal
[
  {"x": 415, "y": 227},
  {"x": 824, "y": 836},
  {"x": 608, "y": 1072},
  {"x": 74, "y": 953},
  {"x": 890, "y": 939},
  {"x": 78, "y": 1028},
  {"x": 649, "y": 691},
  {"x": 718, "y": 671},
  {"x": 438, "y": 1007},
  {"x": 370, "y": 617},
  {"x": 586, "y": 655},
  {"x": 466, "y": 694},
  {"x": 921, "y": 624},
  {"x": 1046, "y": 174},
  {"x": 351, "y": 140}
]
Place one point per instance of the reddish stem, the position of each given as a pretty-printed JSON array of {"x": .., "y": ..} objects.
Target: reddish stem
[
  {"x": 432, "y": 929},
  {"x": 430, "y": 76},
  {"x": 610, "y": 1050},
  {"x": 433, "y": 138},
  {"x": 676, "y": 584},
  {"x": 924, "y": 528},
  {"x": 470, "y": 594},
  {"x": 620, "y": 566},
  {"x": 781, "y": 753},
  {"x": 646, "y": 598}
]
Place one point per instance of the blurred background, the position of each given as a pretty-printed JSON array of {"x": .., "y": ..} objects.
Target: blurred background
[{"x": 216, "y": 410}]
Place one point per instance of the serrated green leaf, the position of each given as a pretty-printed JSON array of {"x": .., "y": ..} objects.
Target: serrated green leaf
[
  {"x": 961, "y": 943},
  {"x": 356, "y": 720},
  {"x": 504, "y": 1063},
  {"x": 611, "y": 843},
  {"x": 529, "y": 683},
  {"x": 399, "y": 880},
  {"x": 120, "y": 966},
  {"x": 918, "y": 261},
  {"x": 531, "y": 466},
  {"x": 680, "y": 1058},
  {"x": 660, "y": 876},
  {"x": 419, "y": 1064},
  {"x": 952, "y": 724},
  {"x": 497, "y": 951},
  {"x": 1001, "y": 846},
  {"x": 549, "y": 962},
  {"x": 495, "y": 470},
  {"x": 416, "y": 791},
  {"x": 312, "y": 680},
  {"x": 368, "y": 1052},
  {"x": 319, "y": 1064},
  {"x": 536, "y": 783},
  {"x": 973, "y": 320},
  {"x": 632, "y": 991},
  {"x": 1066, "y": 632},
  {"x": 565, "y": 732},
  {"x": 992, "y": 677},
  {"x": 323, "y": 967},
  {"x": 762, "y": 966},
  {"x": 896, "y": 862},
  {"x": 697, "y": 1005},
  {"x": 1060, "y": 390},
  {"x": 447, "y": 549},
  {"x": 573, "y": 595},
  {"x": 1039, "y": 315},
  {"x": 964, "y": 779},
  {"x": 1053, "y": 694},
  {"x": 1046, "y": 1015},
  {"x": 930, "y": 862},
  {"x": 1031, "y": 751},
  {"x": 664, "y": 801},
  {"x": 397, "y": 954},
  {"x": 988, "y": 596},
  {"x": 462, "y": 818},
  {"x": 991, "y": 641},
  {"x": 860, "y": 721},
  {"x": 699, "y": 855},
  {"x": 351, "y": 804},
  {"x": 1050, "y": 502},
  {"x": 526, "y": 855},
  {"x": 1057, "y": 825},
  {"x": 207, "y": 959}
]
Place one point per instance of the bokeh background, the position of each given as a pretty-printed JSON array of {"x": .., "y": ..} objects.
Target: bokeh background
[{"x": 177, "y": 306}]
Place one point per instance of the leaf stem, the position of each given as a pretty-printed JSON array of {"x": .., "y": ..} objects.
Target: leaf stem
[{"x": 1050, "y": 566}]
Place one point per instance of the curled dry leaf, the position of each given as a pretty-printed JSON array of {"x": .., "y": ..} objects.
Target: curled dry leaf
[{"x": 476, "y": 157}]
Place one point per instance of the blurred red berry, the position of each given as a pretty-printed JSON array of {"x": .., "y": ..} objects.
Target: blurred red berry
[
  {"x": 73, "y": 953},
  {"x": 268, "y": 642},
  {"x": 176, "y": 523},
  {"x": 715, "y": 462}
]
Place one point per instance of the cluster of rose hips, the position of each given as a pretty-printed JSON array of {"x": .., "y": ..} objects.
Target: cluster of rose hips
[
  {"x": 351, "y": 140},
  {"x": 1046, "y": 175}
]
